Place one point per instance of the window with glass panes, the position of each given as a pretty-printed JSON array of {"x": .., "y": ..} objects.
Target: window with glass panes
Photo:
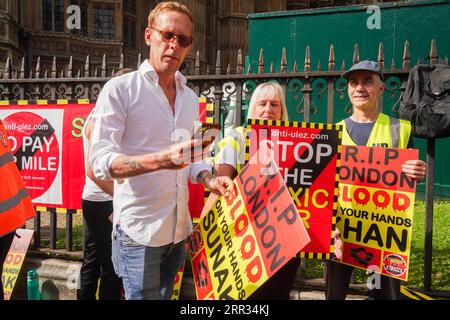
[
  {"x": 129, "y": 24},
  {"x": 104, "y": 17},
  {"x": 53, "y": 15}
]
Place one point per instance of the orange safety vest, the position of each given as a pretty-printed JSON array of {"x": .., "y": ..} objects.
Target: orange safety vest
[{"x": 15, "y": 202}]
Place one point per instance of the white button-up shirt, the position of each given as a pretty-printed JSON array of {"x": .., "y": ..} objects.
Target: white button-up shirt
[{"x": 133, "y": 117}]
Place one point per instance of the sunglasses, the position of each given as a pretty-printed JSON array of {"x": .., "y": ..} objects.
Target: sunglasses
[{"x": 167, "y": 36}]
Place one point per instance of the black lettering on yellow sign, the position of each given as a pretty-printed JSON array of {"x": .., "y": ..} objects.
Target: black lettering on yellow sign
[
  {"x": 8, "y": 282},
  {"x": 373, "y": 234},
  {"x": 389, "y": 154},
  {"x": 357, "y": 213},
  {"x": 375, "y": 216},
  {"x": 372, "y": 175},
  {"x": 389, "y": 178},
  {"x": 213, "y": 241},
  {"x": 216, "y": 254},
  {"x": 386, "y": 218},
  {"x": 11, "y": 270}
]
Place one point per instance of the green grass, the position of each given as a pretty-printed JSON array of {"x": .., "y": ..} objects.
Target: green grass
[
  {"x": 441, "y": 250},
  {"x": 77, "y": 238},
  {"x": 441, "y": 247}
]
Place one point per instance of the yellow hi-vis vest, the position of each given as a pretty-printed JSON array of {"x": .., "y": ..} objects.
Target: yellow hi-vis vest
[
  {"x": 387, "y": 132},
  {"x": 234, "y": 140}
]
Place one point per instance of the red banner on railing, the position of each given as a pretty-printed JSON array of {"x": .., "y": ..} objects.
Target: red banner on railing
[{"x": 46, "y": 141}]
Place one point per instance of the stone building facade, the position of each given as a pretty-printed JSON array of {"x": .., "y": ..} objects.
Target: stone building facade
[{"x": 47, "y": 28}]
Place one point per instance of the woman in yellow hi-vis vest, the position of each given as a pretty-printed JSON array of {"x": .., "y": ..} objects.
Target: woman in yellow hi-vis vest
[
  {"x": 368, "y": 127},
  {"x": 15, "y": 203},
  {"x": 267, "y": 103}
]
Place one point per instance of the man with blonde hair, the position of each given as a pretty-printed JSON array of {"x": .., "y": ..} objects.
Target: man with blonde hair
[{"x": 142, "y": 117}]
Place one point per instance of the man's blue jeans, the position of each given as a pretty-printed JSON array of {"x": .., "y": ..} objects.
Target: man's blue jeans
[{"x": 148, "y": 273}]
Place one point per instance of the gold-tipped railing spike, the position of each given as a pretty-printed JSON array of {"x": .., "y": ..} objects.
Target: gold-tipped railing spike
[
  {"x": 307, "y": 59},
  {"x": 104, "y": 66},
  {"x": 38, "y": 68},
  {"x": 87, "y": 67},
  {"x": 70, "y": 68},
  {"x": 261, "y": 61},
  {"x": 283, "y": 66},
  {"x": 406, "y": 57},
  {"x": 139, "y": 61},
  {"x": 8, "y": 69},
  {"x": 54, "y": 68},
  {"x": 197, "y": 63},
  {"x": 218, "y": 63},
  {"x": 121, "y": 62},
  {"x": 239, "y": 65},
  {"x": 433, "y": 52},
  {"x": 22, "y": 68},
  {"x": 381, "y": 55},
  {"x": 356, "y": 54},
  {"x": 331, "y": 59}
]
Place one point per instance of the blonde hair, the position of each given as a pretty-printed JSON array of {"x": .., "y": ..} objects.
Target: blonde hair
[
  {"x": 264, "y": 88},
  {"x": 169, "y": 6}
]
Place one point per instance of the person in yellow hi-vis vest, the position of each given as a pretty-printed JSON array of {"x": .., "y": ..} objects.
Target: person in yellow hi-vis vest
[
  {"x": 368, "y": 127},
  {"x": 15, "y": 202},
  {"x": 267, "y": 103}
]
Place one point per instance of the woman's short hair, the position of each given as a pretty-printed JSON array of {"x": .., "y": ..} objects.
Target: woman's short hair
[{"x": 264, "y": 88}]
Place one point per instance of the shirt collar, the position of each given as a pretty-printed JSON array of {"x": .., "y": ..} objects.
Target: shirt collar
[{"x": 147, "y": 70}]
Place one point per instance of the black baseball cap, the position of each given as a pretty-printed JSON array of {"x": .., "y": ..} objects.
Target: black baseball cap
[{"x": 365, "y": 65}]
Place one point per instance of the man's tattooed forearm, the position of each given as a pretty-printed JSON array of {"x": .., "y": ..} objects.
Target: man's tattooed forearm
[{"x": 132, "y": 164}]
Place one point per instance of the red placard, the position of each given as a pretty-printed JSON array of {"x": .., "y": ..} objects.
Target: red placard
[
  {"x": 241, "y": 242},
  {"x": 307, "y": 155},
  {"x": 46, "y": 141}
]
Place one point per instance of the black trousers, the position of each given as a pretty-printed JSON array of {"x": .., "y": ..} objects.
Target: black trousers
[
  {"x": 97, "y": 263},
  {"x": 5, "y": 244},
  {"x": 338, "y": 281},
  {"x": 279, "y": 286}
]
